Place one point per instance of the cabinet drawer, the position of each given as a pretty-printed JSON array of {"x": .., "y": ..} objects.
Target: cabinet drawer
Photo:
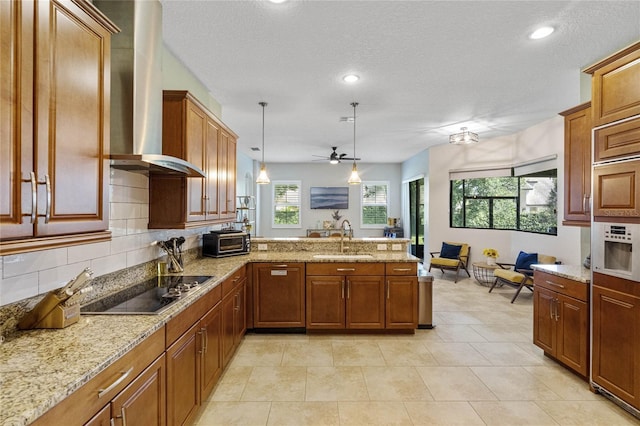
[
  {"x": 617, "y": 141},
  {"x": 353, "y": 268},
  {"x": 185, "y": 319},
  {"x": 230, "y": 283},
  {"x": 568, "y": 287},
  {"x": 401, "y": 268},
  {"x": 84, "y": 403}
]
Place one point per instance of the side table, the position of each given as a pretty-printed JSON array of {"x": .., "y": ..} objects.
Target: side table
[{"x": 484, "y": 273}]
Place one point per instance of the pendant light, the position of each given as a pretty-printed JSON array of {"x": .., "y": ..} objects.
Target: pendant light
[
  {"x": 354, "y": 179},
  {"x": 263, "y": 178}
]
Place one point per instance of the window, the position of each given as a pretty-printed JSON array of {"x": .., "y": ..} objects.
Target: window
[
  {"x": 286, "y": 204},
  {"x": 524, "y": 203},
  {"x": 375, "y": 199}
]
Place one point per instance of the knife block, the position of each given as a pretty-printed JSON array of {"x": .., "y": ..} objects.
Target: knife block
[{"x": 50, "y": 312}]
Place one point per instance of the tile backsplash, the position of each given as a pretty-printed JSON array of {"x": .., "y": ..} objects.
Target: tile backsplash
[{"x": 29, "y": 274}]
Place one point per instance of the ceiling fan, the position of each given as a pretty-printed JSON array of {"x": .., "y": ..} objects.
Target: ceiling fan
[{"x": 334, "y": 157}]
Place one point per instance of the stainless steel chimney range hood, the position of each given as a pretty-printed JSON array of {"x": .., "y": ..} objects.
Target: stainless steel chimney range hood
[{"x": 136, "y": 90}]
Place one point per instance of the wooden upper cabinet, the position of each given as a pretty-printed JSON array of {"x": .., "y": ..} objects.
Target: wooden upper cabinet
[
  {"x": 577, "y": 165},
  {"x": 227, "y": 175},
  {"x": 616, "y": 191},
  {"x": 191, "y": 132},
  {"x": 616, "y": 86},
  {"x": 617, "y": 141},
  {"x": 54, "y": 120}
]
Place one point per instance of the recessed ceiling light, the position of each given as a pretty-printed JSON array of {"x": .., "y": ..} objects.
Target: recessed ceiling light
[
  {"x": 351, "y": 78},
  {"x": 277, "y": 1},
  {"x": 541, "y": 32}
]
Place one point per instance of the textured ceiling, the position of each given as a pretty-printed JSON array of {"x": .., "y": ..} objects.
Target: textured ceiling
[{"x": 427, "y": 68}]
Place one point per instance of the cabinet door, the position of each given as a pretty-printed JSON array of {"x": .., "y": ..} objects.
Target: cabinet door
[
  {"x": 278, "y": 295},
  {"x": 325, "y": 302},
  {"x": 577, "y": 165},
  {"x": 72, "y": 126},
  {"x": 211, "y": 329},
  {"x": 211, "y": 189},
  {"x": 365, "y": 302},
  {"x": 228, "y": 324},
  {"x": 183, "y": 378},
  {"x": 544, "y": 322},
  {"x": 402, "y": 302},
  {"x": 616, "y": 190},
  {"x": 195, "y": 141},
  {"x": 143, "y": 401},
  {"x": 615, "y": 86},
  {"x": 572, "y": 337},
  {"x": 616, "y": 343},
  {"x": 227, "y": 175},
  {"x": 16, "y": 107},
  {"x": 103, "y": 418},
  {"x": 240, "y": 317}
]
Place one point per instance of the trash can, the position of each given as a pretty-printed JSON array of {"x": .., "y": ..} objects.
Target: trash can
[{"x": 425, "y": 301}]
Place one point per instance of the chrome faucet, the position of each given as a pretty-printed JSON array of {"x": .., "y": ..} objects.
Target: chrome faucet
[{"x": 342, "y": 247}]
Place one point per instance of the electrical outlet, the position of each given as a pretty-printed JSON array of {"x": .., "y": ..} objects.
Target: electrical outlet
[
  {"x": 396, "y": 246},
  {"x": 262, "y": 247},
  {"x": 382, "y": 247}
]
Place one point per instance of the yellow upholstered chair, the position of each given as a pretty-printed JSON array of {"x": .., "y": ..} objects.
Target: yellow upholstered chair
[
  {"x": 520, "y": 274},
  {"x": 452, "y": 256}
]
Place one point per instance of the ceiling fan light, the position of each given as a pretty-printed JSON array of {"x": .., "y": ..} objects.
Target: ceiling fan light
[
  {"x": 354, "y": 179},
  {"x": 263, "y": 178},
  {"x": 334, "y": 161}
]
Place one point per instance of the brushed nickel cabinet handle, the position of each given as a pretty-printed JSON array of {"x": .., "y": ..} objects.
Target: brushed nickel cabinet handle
[
  {"x": 551, "y": 308},
  {"x": 47, "y": 212},
  {"x": 348, "y": 289},
  {"x": 280, "y": 266},
  {"x": 124, "y": 417},
  {"x": 388, "y": 289},
  {"x": 401, "y": 269},
  {"x": 342, "y": 285},
  {"x": 585, "y": 203},
  {"x": 554, "y": 284},
  {"x": 34, "y": 196},
  {"x": 345, "y": 269},
  {"x": 123, "y": 376}
]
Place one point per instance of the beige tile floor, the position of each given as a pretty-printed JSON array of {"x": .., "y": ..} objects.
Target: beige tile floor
[{"x": 477, "y": 367}]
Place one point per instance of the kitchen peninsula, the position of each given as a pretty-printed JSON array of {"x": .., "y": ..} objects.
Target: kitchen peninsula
[{"x": 42, "y": 369}]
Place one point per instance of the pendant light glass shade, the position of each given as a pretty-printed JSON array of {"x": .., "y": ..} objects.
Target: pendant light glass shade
[
  {"x": 263, "y": 178},
  {"x": 354, "y": 179}
]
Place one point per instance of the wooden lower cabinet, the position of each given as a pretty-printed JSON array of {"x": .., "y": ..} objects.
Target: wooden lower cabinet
[
  {"x": 211, "y": 368},
  {"x": 143, "y": 401},
  {"x": 194, "y": 360},
  {"x": 278, "y": 295},
  {"x": 234, "y": 322},
  {"x": 616, "y": 337},
  {"x": 345, "y": 296},
  {"x": 401, "y": 302},
  {"x": 561, "y": 320},
  {"x": 362, "y": 296},
  {"x": 183, "y": 378}
]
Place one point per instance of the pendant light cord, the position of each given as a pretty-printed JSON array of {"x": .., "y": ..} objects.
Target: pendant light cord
[
  {"x": 263, "y": 104},
  {"x": 354, "y": 104}
]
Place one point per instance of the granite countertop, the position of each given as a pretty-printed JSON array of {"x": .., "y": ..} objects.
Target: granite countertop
[
  {"x": 39, "y": 368},
  {"x": 572, "y": 272}
]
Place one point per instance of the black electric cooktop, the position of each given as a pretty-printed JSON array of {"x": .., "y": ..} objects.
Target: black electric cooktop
[{"x": 149, "y": 297}]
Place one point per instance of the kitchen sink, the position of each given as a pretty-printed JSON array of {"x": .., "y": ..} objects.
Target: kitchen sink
[{"x": 343, "y": 256}]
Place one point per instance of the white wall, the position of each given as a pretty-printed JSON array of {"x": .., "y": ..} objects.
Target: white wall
[
  {"x": 536, "y": 142},
  {"x": 325, "y": 174}
]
